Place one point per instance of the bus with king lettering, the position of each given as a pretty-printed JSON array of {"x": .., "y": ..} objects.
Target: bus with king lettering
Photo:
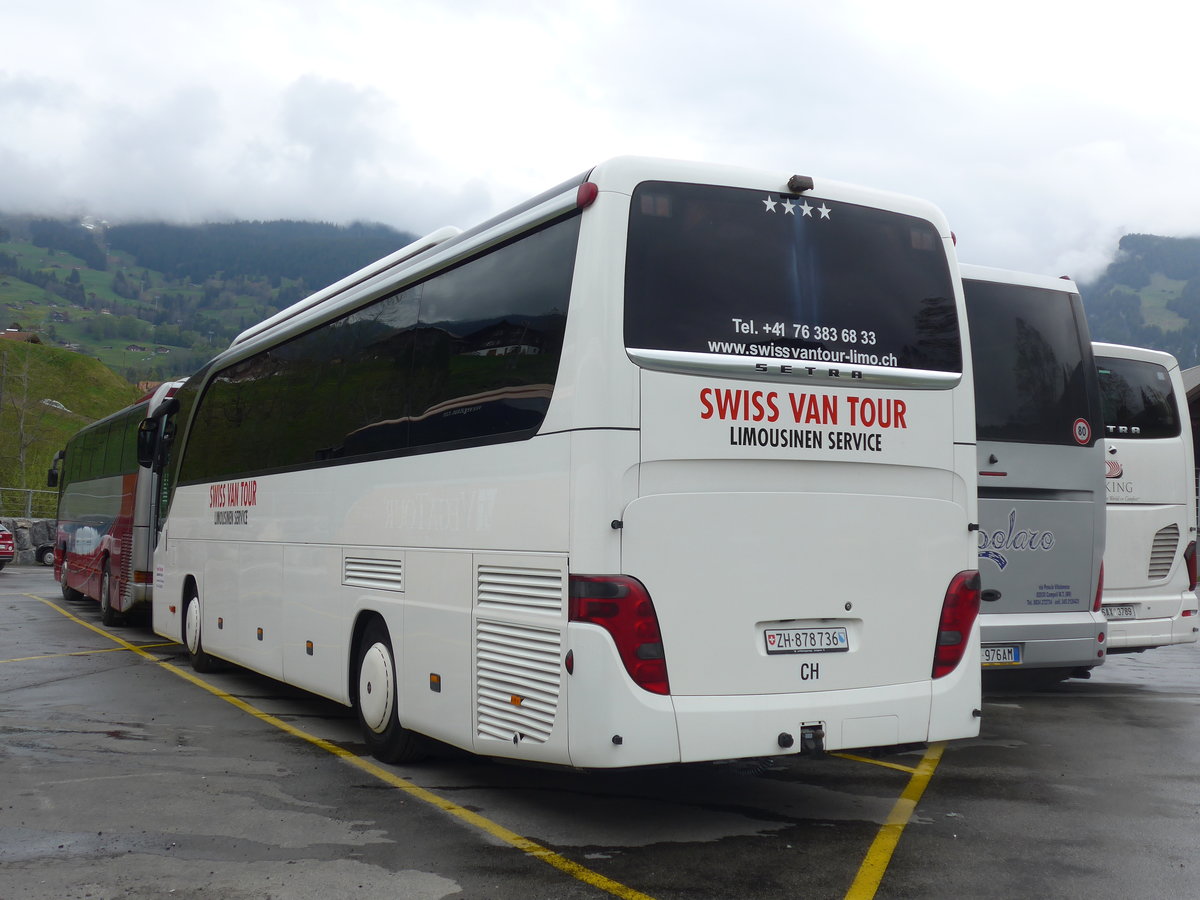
[
  {"x": 673, "y": 462},
  {"x": 1150, "y": 564},
  {"x": 1041, "y": 475}
]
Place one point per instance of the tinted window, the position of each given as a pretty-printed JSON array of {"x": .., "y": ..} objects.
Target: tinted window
[
  {"x": 733, "y": 271},
  {"x": 1031, "y": 354},
  {"x": 467, "y": 356},
  {"x": 1137, "y": 399},
  {"x": 104, "y": 449}
]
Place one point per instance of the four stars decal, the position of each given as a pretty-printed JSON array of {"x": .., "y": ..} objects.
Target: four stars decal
[{"x": 789, "y": 208}]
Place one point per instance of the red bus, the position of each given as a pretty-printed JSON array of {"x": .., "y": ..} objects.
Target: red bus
[{"x": 103, "y": 546}]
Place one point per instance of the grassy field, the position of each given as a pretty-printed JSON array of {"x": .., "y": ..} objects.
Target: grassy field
[
  {"x": 1155, "y": 297},
  {"x": 58, "y": 321},
  {"x": 32, "y": 430}
]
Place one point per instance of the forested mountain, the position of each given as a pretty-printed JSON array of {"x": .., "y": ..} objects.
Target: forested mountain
[
  {"x": 155, "y": 301},
  {"x": 1149, "y": 296},
  {"x": 314, "y": 253}
]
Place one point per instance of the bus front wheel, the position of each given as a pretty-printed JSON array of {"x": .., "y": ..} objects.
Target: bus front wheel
[
  {"x": 69, "y": 593},
  {"x": 201, "y": 661},
  {"x": 375, "y": 698}
]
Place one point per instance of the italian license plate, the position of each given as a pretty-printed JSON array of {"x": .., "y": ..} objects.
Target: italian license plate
[
  {"x": 1001, "y": 655},
  {"x": 1118, "y": 612},
  {"x": 832, "y": 639}
]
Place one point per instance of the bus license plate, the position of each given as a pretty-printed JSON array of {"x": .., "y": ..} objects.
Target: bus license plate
[
  {"x": 1001, "y": 655},
  {"x": 1118, "y": 612},
  {"x": 807, "y": 640}
]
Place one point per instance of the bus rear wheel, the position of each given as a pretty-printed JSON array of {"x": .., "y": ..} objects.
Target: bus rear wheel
[
  {"x": 375, "y": 699},
  {"x": 108, "y": 615},
  {"x": 201, "y": 661}
]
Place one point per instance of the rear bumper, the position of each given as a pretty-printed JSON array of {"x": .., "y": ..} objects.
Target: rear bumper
[
  {"x": 735, "y": 727},
  {"x": 1160, "y": 618},
  {"x": 1141, "y": 634},
  {"x": 614, "y": 723},
  {"x": 1049, "y": 640}
]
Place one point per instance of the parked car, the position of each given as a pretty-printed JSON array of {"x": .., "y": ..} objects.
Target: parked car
[{"x": 8, "y": 546}]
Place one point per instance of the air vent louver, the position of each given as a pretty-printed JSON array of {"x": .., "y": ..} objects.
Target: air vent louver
[
  {"x": 376, "y": 574},
  {"x": 1162, "y": 555}
]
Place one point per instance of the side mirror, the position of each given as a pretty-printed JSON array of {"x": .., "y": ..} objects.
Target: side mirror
[
  {"x": 147, "y": 442},
  {"x": 52, "y": 475}
]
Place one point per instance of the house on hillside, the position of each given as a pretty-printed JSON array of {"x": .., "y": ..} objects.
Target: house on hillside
[{"x": 28, "y": 337}]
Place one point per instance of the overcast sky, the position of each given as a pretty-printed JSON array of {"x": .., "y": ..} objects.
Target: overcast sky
[{"x": 1045, "y": 130}]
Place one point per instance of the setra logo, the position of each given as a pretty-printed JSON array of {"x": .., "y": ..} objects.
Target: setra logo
[{"x": 1112, "y": 469}]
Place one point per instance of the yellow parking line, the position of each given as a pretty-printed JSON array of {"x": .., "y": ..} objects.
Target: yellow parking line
[
  {"x": 875, "y": 864},
  {"x": 875, "y": 762},
  {"x": 83, "y": 652},
  {"x": 582, "y": 873}
]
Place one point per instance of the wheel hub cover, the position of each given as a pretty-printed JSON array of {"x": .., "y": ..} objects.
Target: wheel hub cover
[
  {"x": 193, "y": 626},
  {"x": 375, "y": 687}
]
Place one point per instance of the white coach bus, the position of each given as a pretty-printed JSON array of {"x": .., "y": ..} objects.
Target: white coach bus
[
  {"x": 1041, "y": 475},
  {"x": 673, "y": 462},
  {"x": 1150, "y": 565}
]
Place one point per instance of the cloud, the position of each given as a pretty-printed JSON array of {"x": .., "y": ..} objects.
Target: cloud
[{"x": 1043, "y": 132}]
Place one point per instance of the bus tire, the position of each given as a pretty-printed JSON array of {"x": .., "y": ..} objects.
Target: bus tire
[
  {"x": 201, "y": 661},
  {"x": 375, "y": 698},
  {"x": 69, "y": 593},
  {"x": 108, "y": 615}
]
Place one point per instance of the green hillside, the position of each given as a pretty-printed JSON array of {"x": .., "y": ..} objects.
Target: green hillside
[
  {"x": 55, "y": 294},
  {"x": 33, "y": 430},
  {"x": 155, "y": 301},
  {"x": 1149, "y": 296}
]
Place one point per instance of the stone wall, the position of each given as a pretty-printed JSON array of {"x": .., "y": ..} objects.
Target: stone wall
[{"x": 30, "y": 534}]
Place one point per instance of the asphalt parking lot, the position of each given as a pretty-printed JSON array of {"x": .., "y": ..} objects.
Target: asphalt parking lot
[{"x": 124, "y": 775}]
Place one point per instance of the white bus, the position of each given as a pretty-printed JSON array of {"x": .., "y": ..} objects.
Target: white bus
[
  {"x": 1150, "y": 565},
  {"x": 670, "y": 463},
  {"x": 1041, "y": 475}
]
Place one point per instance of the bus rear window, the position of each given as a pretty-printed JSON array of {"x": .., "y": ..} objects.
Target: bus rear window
[
  {"x": 717, "y": 270},
  {"x": 1137, "y": 399},
  {"x": 1029, "y": 352}
]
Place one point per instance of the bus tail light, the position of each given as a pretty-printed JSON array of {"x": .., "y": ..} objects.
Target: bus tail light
[
  {"x": 1189, "y": 558},
  {"x": 622, "y": 606},
  {"x": 586, "y": 195},
  {"x": 1099, "y": 589},
  {"x": 959, "y": 609}
]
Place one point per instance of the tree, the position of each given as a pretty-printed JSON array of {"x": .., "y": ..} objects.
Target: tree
[{"x": 25, "y": 426}]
